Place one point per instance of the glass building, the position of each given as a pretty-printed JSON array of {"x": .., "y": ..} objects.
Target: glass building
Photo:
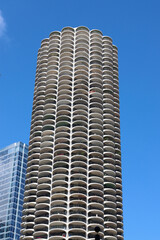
[{"x": 13, "y": 160}]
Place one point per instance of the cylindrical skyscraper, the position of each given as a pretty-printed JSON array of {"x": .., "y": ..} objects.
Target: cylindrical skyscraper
[{"x": 73, "y": 181}]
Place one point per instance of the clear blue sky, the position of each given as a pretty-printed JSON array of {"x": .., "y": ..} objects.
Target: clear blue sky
[{"x": 135, "y": 28}]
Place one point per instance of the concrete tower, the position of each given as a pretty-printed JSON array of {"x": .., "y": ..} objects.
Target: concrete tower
[{"x": 73, "y": 181}]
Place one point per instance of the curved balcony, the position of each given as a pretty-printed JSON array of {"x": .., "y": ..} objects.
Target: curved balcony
[
  {"x": 80, "y": 44},
  {"x": 96, "y": 67},
  {"x": 63, "y": 113},
  {"x": 96, "y": 186},
  {"x": 80, "y": 128},
  {"x": 78, "y": 162},
  {"x": 81, "y": 51},
  {"x": 63, "y": 158},
  {"x": 57, "y": 226},
  {"x": 32, "y": 162},
  {"x": 77, "y": 121},
  {"x": 96, "y": 179},
  {"x": 80, "y": 115},
  {"x": 96, "y": 144},
  {"x": 43, "y": 193},
  {"x": 62, "y": 129},
  {"x": 69, "y": 43},
  {"x": 78, "y": 152},
  {"x": 78, "y": 183},
  {"x": 67, "y": 50},
  {"x": 82, "y": 30},
  {"x": 110, "y": 185},
  {"x": 82, "y": 58},
  {"x": 57, "y": 234},
  {"x": 109, "y": 140},
  {"x": 66, "y": 40},
  {"x": 43, "y": 226},
  {"x": 79, "y": 169},
  {"x": 58, "y": 218},
  {"x": 45, "y": 175},
  {"x": 78, "y": 203},
  {"x": 66, "y": 53},
  {"x": 67, "y": 35},
  {"x": 46, "y": 155},
  {"x": 81, "y": 65},
  {"x": 31, "y": 167},
  {"x": 77, "y": 235},
  {"x": 79, "y": 95},
  {"x": 77, "y": 197},
  {"x": 94, "y": 204},
  {"x": 47, "y": 149},
  {"x": 81, "y": 39},
  {"x": 30, "y": 192},
  {"x": 59, "y": 204},
  {"x": 66, "y": 60},
  {"x": 67, "y": 72},
  {"x": 60, "y": 182},
  {"x": 64, "y": 102},
  {"x": 77, "y": 211},
  {"x": 95, "y": 219},
  {"x": 95, "y": 172},
  {"x": 61, "y": 145},
  {"x": 62, "y": 171},
  {"x": 110, "y": 222},
  {"x": 59, "y": 196},
  {"x": 64, "y": 83},
  {"x": 31, "y": 175},
  {"x": 95, "y": 154},
  {"x": 28, "y": 232},
  {"x": 44, "y": 186},
  {"x": 91, "y": 234},
  {"x": 81, "y": 76},
  {"x": 80, "y": 134},
  {"x": 96, "y": 53},
  {"x": 47, "y": 143},
  {"x": 42, "y": 235},
  {"x": 95, "y": 192},
  {"x": 79, "y": 140},
  {"x": 78, "y": 88},
  {"x": 80, "y": 107},
  {"x": 78, "y": 190},
  {"x": 95, "y": 213},
  {"x": 96, "y": 105},
  {"x": 61, "y": 152},
  {"x": 81, "y": 48},
  {"x": 110, "y": 231},
  {"x": 49, "y": 111},
  {"x": 42, "y": 208},
  {"x": 62, "y": 140},
  {"x": 58, "y": 210},
  {"x": 60, "y": 165},
  {"x": 78, "y": 177},
  {"x": 77, "y": 218}
]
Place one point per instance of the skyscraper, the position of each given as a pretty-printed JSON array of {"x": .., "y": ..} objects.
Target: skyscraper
[
  {"x": 13, "y": 162},
  {"x": 73, "y": 181}
]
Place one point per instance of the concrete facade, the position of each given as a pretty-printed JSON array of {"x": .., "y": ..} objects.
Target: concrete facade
[{"x": 73, "y": 181}]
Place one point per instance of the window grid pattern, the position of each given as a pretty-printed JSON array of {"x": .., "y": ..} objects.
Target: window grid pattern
[{"x": 13, "y": 163}]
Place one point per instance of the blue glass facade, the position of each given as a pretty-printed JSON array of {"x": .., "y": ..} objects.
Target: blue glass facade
[{"x": 13, "y": 163}]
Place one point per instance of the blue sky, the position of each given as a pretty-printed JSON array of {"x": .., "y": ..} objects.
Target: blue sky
[{"x": 135, "y": 28}]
